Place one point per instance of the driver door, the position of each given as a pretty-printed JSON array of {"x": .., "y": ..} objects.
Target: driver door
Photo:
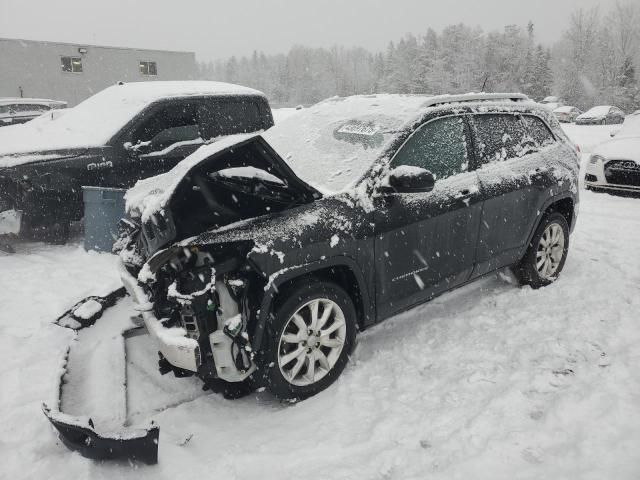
[{"x": 425, "y": 242}]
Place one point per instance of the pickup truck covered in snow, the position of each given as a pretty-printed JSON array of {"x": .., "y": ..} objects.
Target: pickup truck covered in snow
[{"x": 124, "y": 133}]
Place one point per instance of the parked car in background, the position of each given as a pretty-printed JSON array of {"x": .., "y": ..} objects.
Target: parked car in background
[
  {"x": 260, "y": 256},
  {"x": 567, "y": 114},
  {"x": 601, "y": 115},
  {"x": 615, "y": 164},
  {"x": 551, "y": 102},
  {"x": 15, "y": 111},
  {"x": 122, "y": 134}
]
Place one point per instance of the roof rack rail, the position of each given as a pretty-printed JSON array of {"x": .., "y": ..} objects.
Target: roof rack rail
[{"x": 474, "y": 97}]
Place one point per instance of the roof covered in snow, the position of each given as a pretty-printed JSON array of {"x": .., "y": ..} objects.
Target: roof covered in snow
[
  {"x": 95, "y": 121},
  {"x": 599, "y": 111},
  {"x": 564, "y": 109}
]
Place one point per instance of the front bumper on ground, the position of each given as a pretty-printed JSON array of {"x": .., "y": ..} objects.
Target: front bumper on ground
[
  {"x": 80, "y": 435},
  {"x": 179, "y": 350},
  {"x": 79, "y": 432}
]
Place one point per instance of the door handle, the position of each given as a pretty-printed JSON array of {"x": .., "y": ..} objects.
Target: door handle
[{"x": 462, "y": 194}]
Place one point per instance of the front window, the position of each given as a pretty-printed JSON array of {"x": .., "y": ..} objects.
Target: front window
[
  {"x": 71, "y": 64},
  {"x": 148, "y": 68},
  {"x": 438, "y": 146}
]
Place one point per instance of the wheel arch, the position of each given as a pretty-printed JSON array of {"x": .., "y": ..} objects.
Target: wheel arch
[
  {"x": 342, "y": 270},
  {"x": 564, "y": 204}
]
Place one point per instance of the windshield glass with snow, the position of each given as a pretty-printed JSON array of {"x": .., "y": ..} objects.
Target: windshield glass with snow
[{"x": 331, "y": 144}]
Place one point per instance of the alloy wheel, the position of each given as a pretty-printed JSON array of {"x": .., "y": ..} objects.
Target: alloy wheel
[
  {"x": 311, "y": 342},
  {"x": 550, "y": 251}
]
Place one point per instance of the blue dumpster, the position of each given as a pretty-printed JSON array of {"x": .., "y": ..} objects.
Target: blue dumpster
[{"x": 103, "y": 209}]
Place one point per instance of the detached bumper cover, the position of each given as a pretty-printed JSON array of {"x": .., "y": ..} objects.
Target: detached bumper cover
[
  {"x": 80, "y": 435},
  {"x": 79, "y": 432}
]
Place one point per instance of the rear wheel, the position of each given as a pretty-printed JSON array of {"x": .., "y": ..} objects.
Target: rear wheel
[
  {"x": 308, "y": 341},
  {"x": 547, "y": 252}
]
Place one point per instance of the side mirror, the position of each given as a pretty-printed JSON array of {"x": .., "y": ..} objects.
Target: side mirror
[
  {"x": 407, "y": 179},
  {"x": 139, "y": 148}
]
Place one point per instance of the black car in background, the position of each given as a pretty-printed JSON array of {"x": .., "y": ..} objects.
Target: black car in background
[
  {"x": 122, "y": 134},
  {"x": 259, "y": 258},
  {"x": 601, "y": 115}
]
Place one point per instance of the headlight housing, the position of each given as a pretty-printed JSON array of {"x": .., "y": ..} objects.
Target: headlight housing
[{"x": 595, "y": 159}]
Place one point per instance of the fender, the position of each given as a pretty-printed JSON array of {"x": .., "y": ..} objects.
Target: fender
[
  {"x": 548, "y": 202},
  {"x": 287, "y": 274}
]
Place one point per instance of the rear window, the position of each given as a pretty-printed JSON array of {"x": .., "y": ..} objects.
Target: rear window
[
  {"x": 219, "y": 118},
  {"x": 498, "y": 137},
  {"x": 504, "y": 136},
  {"x": 539, "y": 131}
]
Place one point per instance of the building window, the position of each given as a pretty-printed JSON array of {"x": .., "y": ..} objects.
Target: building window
[
  {"x": 148, "y": 68},
  {"x": 71, "y": 64}
]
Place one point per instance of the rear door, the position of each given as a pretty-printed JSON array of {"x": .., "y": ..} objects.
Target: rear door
[
  {"x": 516, "y": 175},
  {"x": 425, "y": 242}
]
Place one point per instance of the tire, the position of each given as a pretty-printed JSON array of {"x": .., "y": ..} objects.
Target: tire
[
  {"x": 530, "y": 270},
  {"x": 289, "y": 376}
]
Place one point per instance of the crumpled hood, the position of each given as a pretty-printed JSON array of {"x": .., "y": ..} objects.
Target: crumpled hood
[
  {"x": 285, "y": 226},
  {"x": 626, "y": 148}
]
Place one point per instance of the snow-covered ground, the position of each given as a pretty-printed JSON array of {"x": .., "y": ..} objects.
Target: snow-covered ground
[{"x": 491, "y": 381}]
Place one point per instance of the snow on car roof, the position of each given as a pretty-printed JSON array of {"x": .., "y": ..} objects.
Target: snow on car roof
[
  {"x": 332, "y": 143},
  {"x": 565, "y": 109},
  {"x": 93, "y": 122},
  {"x": 597, "y": 111}
]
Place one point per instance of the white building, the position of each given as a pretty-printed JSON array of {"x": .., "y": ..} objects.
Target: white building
[{"x": 73, "y": 72}]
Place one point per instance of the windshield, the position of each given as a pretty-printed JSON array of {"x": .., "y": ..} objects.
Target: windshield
[{"x": 333, "y": 143}]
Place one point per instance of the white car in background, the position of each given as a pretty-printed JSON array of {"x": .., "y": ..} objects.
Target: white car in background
[
  {"x": 551, "y": 103},
  {"x": 16, "y": 111},
  {"x": 615, "y": 164},
  {"x": 567, "y": 114}
]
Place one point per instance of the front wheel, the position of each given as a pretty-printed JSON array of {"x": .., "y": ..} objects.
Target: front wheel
[
  {"x": 308, "y": 340},
  {"x": 547, "y": 252}
]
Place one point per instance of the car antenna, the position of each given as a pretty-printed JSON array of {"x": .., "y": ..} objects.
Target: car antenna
[{"x": 484, "y": 83}]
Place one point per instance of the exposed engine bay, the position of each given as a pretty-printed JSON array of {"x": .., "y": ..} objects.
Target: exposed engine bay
[{"x": 210, "y": 301}]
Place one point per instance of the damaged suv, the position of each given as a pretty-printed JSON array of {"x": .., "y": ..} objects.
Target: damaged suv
[{"x": 257, "y": 259}]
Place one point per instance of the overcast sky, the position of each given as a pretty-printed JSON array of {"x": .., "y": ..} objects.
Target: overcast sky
[{"x": 221, "y": 28}]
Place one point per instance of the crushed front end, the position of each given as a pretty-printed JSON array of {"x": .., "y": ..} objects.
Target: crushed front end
[{"x": 196, "y": 303}]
